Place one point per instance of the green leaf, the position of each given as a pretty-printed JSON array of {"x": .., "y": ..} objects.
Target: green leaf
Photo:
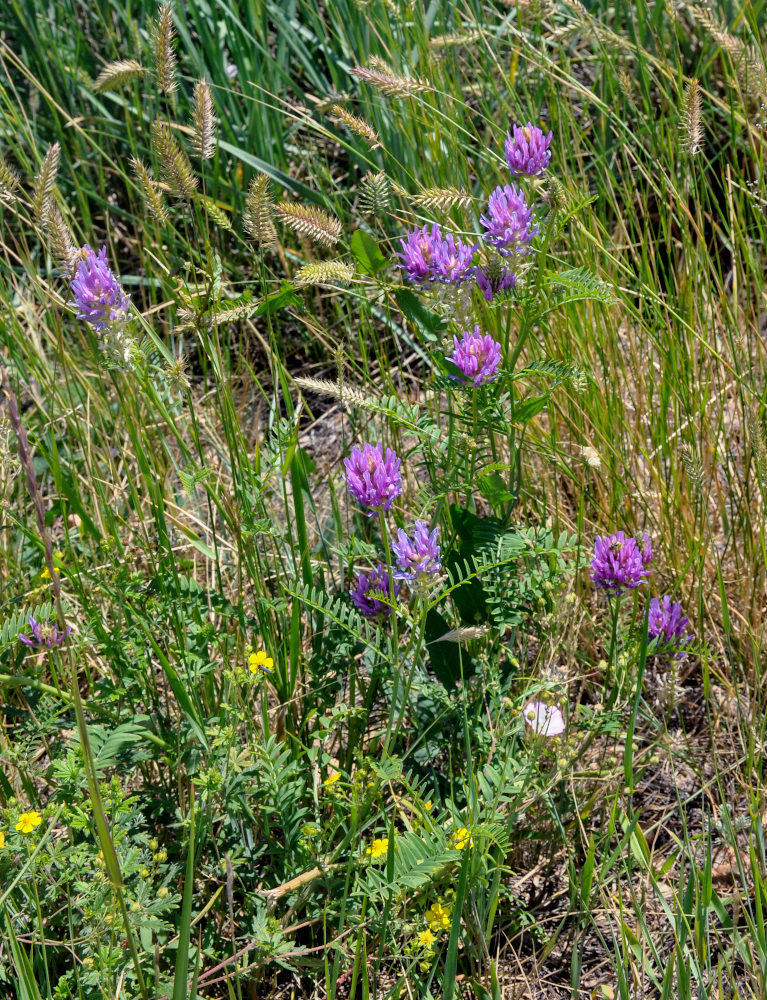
[
  {"x": 365, "y": 251},
  {"x": 493, "y": 489},
  {"x": 428, "y": 324}
]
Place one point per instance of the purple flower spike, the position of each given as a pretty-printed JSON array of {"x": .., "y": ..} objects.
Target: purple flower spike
[
  {"x": 373, "y": 479},
  {"x": 98, "y": 295},
  {"x": 619, "y": 562},
  {"x": 476, "y": 357},
  {"x": 509, "y": 222},
  {"x": 44, "y": 634},
  {"x": 429, "y": 256},
  {"x": 417, "y": 558},
  {"x": 667, "y": 624},
  {"x": 369, "y": 583},
  {"x": 494, "y": 278},
  {"x": 527, "y": 150}
]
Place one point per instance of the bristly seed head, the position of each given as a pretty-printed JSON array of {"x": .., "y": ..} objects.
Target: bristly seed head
[
  {"x": 310, "y": 221},
  {"x": 258, "y": 221},
  {"x": 45, "y": 182},
  {"x": 691, "y": 119},
  {"x": 204, "y": 124},
  {"x": 164, "y": 55},
  {"x": 115, "y": 74},
  {"x": 174, "y": 163},
  {"x": 150, "y": 191}
]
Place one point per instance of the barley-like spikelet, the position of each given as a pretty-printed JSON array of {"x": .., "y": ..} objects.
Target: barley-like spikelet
[
  {"x": 758, "y": 447},
  {"x": 174, "y": 163},
  {"x": 357, "y": 125},
  {"x": 344, "y": 394},
  {"x": 45, "y": 181},
  {"x": 9, "y": 180},
  {"x": 747, "y": 60},
  {"x": 204, "y": 137},
  {"x": 442, "y": 199},
  {"x": 150, "y": 191},
  {"x": 390, "y": 83},
  {"x": 162, "y": 34},
  {"x": 693, "y": 467},
  {"x": 458, "y": 38},
  {"x": 216, "y": 213},
  {"x": 691, "y": 122},
  {"x": 325, "y": 272},
  {"x": 375, "y": 193},
  {"x": 258, "y": 213},
  {"x": 311, "y": 222},
  {"x": 60, "y": 240},
  {"x": 115, "y": 74},
  {"x": 464, "y": 634}
]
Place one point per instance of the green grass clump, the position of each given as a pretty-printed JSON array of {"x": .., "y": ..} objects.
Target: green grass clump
[{"x": 227, "y": 780}]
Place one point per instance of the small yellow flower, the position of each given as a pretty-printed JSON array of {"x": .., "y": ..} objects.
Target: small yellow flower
[
  {"x": 438, "y": 917},
  {"x": 328, "y": 782},
  {"x": 2, "y": 840},
  {"x": 426, "y": 939},
  {"x": 379, "y": 847},
  {"x": 428, "y": 806},
  {"x": 28, "y": 821},
  {"x": 462, "y": 838},
  {"x": 260, "y": 663}
]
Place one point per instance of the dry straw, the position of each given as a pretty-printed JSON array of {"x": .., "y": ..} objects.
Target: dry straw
[{"x": 319, "y": 226}]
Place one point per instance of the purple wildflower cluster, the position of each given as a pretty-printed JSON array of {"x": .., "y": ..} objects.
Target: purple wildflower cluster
[
  {"x": 98, "y": 294},
  {"x": 373, "y": 478},
  {"x": 368, "y": 584},
  {"x": 527, "y": 150},
  {"x": 620, "y": 563},
  {"x": 430, "y": 255},
  {"x": 667, "y": 625},
  {"x": 43, "y": 634},
  {"x": 476, "y": 357}
]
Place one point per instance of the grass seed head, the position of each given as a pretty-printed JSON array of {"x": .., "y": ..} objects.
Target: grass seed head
[
  {"x": 691, "y": 122},
  {"x": 150, "y": 191},
  {"x": 258, "y": 221},
  {"x": 310, "y": 221},
  {"x": 162, "y": 35},
  {"x": 204, "y": 124},
  {"x": 115, "y": 74},
  {"x": 45, "y": 181},
  {"x": 174, "y": 163}
]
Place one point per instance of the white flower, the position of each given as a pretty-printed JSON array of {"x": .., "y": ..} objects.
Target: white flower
[{"x": 543, "y": 719}]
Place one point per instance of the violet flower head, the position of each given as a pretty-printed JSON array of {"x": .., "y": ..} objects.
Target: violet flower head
[
  {"x": 97, "y": 291},
  {"x": 373, "y": 479},
  {"x": 428, "y": 255},
  {"x": 667, "y": 625},
  {"x": 527, "y": 150},
  {"x": 620, "y": 563},
  {"x": 417, "y": 557},
  {"x": 543, "y": 719},
  {"x": 476, "y": 357},
  {"x": 494, "y": 279},
  {"x": 44, "y": 634},
  {"x": 375, "y": 581},
  {"x": 509, "y": 222}
]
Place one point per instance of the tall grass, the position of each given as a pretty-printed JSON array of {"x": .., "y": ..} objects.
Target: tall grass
[{"x": 204, "y": 828}]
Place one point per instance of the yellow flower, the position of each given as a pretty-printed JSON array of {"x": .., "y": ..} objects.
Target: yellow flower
[
  {"x": 428, "y": 806},
  {"x": 462, "y": 838},
  {"x": 28, "y": 821},
  {"x": 378, "y": 847},
  {"x": 426, "y": 939},
  {"x": 260, "y": 663},
  {"x": 2, "y": 840},
  {"x": 332, "y": 779},
  {"x": 438, "y": 917}
]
